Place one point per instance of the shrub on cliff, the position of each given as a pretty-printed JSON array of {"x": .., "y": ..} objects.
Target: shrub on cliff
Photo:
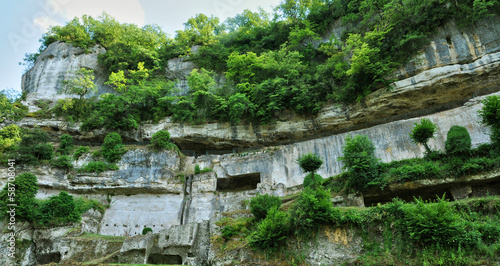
[
  {"x": 422, "y": 132},
  {"x": 309, "y": 163},
  {"x": 58, "y": 210},
  {"x": 490, "y": 116},
  {"x": 271, "y": 232},
  {"x": 146, "y": 230},
  {"x": 458, "y": 141},
  {"x": 63, "y": 162},
  {"x": 34, "y": 147},
  {"x": 112, "y": 149},
  {"x": 161, "y": 141},
  {"x": 360, "y": 161},
  {"x": 261, "y": 204},
  {"x": 310, "y": 182},
  {"x": 66, "y": 144},
  {"x": 313, "y": 207}
]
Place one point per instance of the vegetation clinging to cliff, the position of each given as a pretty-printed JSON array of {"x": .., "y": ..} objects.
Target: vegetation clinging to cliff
[{"x": 276, "y": 65}]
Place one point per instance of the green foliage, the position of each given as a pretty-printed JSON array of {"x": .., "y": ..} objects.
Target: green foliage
[
  {"x": 26, "y": 187},
  {"x": 261, "y": 204},
  {"x": 57, "y": 210},
  {"x": 112, "y": 148},
  {"x": 73, "y": 110},
  {"x": 9, "y": 137},
  {"x": 198, "y": 170},
  {"x": 66, "y": 145},
  {"x": 97, "y": 167},
  {"x": 309, "y": 162},
  {"x": 34, "y": 147},
  {"x": 436, "y": 223},
  {"x": 160, "y": 140},
  {"x": 309, "y": 182},
  {"x": 415, "y": 171},
  {"x": 490, "y": 116},
  {"x": 81, "y": 84},
  {"x": 140, "y": 98},
  {"x": 360, "y": 161},
  {"x": 311, "y": 209},
  {"x": 271, "y": 231},
  {"x": 80, "y": 151},
  {"x": 422, "y": 132},
  {"x": 146, "y": 230},
  {"x": 63, "y": 162},
  {"x": 458, "y": 141},
  {"x": 11, "y": 111}
]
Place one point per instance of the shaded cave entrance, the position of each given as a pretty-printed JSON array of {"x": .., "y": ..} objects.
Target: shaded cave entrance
[
  {"x": 48, "y": 258},
  {"x": 164, "y": 259},
  {"x": 238, "y": 183}
]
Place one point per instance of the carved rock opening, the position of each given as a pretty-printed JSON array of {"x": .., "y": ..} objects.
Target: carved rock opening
[
  {"x": 164, "y": 259},
  {"x": 238, "y": 183}
]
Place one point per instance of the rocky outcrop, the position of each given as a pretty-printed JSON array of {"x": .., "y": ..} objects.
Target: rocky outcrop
[{"x": 45, "y": 79}]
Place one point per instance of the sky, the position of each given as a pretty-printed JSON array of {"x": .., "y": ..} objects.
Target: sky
[{"x": 23, "y": 22}]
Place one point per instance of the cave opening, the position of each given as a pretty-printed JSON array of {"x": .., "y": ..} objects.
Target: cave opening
[
  {"x": 48, "y": 258},
  {"x": 164, "y": 259},
  {"x": 238, "y": 183}
]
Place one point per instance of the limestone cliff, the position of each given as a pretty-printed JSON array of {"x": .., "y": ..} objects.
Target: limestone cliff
[
  {"x": 444, "y": 84},
  {"x": 45, "y": 79}
]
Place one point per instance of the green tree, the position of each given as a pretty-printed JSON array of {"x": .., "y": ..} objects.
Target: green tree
[
  {"x": 490, "y": 116},
  {"x": 458, "y": 141},
  {"x": 11, "y": 111},
  {"x": 66, "y": 144},
  {"x": 9, "y": 137},
  {"x": 81, "y": 84},
  {"x": 261, "y": 204},
  {"x": 360, "y": 161},
  {"x": 112, "y": 148},
  {"x": 199, "y": 30},
  {"x": 34, "y": 147},
  {"x": 310, "y": 163},
  {"x": 422, "y": 132},
  {"x": 59, "y": 210}
]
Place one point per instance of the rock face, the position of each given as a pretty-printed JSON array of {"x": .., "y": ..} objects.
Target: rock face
[
  {"x": 160, "y": 191},
  {"x": 44, "y": 80}
]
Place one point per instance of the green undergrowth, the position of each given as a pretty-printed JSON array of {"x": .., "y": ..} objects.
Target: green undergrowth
[
  {"x": 465, "y": 232},
  {"x": 102, "y": 237},
  {"x": 435, "y": 165}
]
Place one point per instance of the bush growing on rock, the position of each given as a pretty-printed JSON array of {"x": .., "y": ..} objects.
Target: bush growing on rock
[
  {"x": 360, "y": 161},
  {"x": 80, "y": 151},
  {"x": 271, "y": 232},
  {"x": 97, "y": 167},
  {"x": 63, "y": 162},
  {"x": 310, "y": 163},
  {"x": 146, "y": 230},
  {"x": 34, "y": 147},
  {"x": 9, "y": 137},
  {"x": 422, "y": 132},
  {"x": 458, "y": 141},
  {"x": 312, "y": 208},
  {"x": 58, "y": 210},
  {"x": 309, "y": 182},
  {"x": 261, "y": 204},
  {"x": 66, "y": 144},
  {"x": 112, "y": 149},
  {"x": 160, "y": 140},
  {"x": 490, "y": 116}
]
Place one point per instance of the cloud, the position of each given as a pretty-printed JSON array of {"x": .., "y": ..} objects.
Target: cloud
[
  {"x": 43, "y": 23},
  {"x": 125, "y": 11}
]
